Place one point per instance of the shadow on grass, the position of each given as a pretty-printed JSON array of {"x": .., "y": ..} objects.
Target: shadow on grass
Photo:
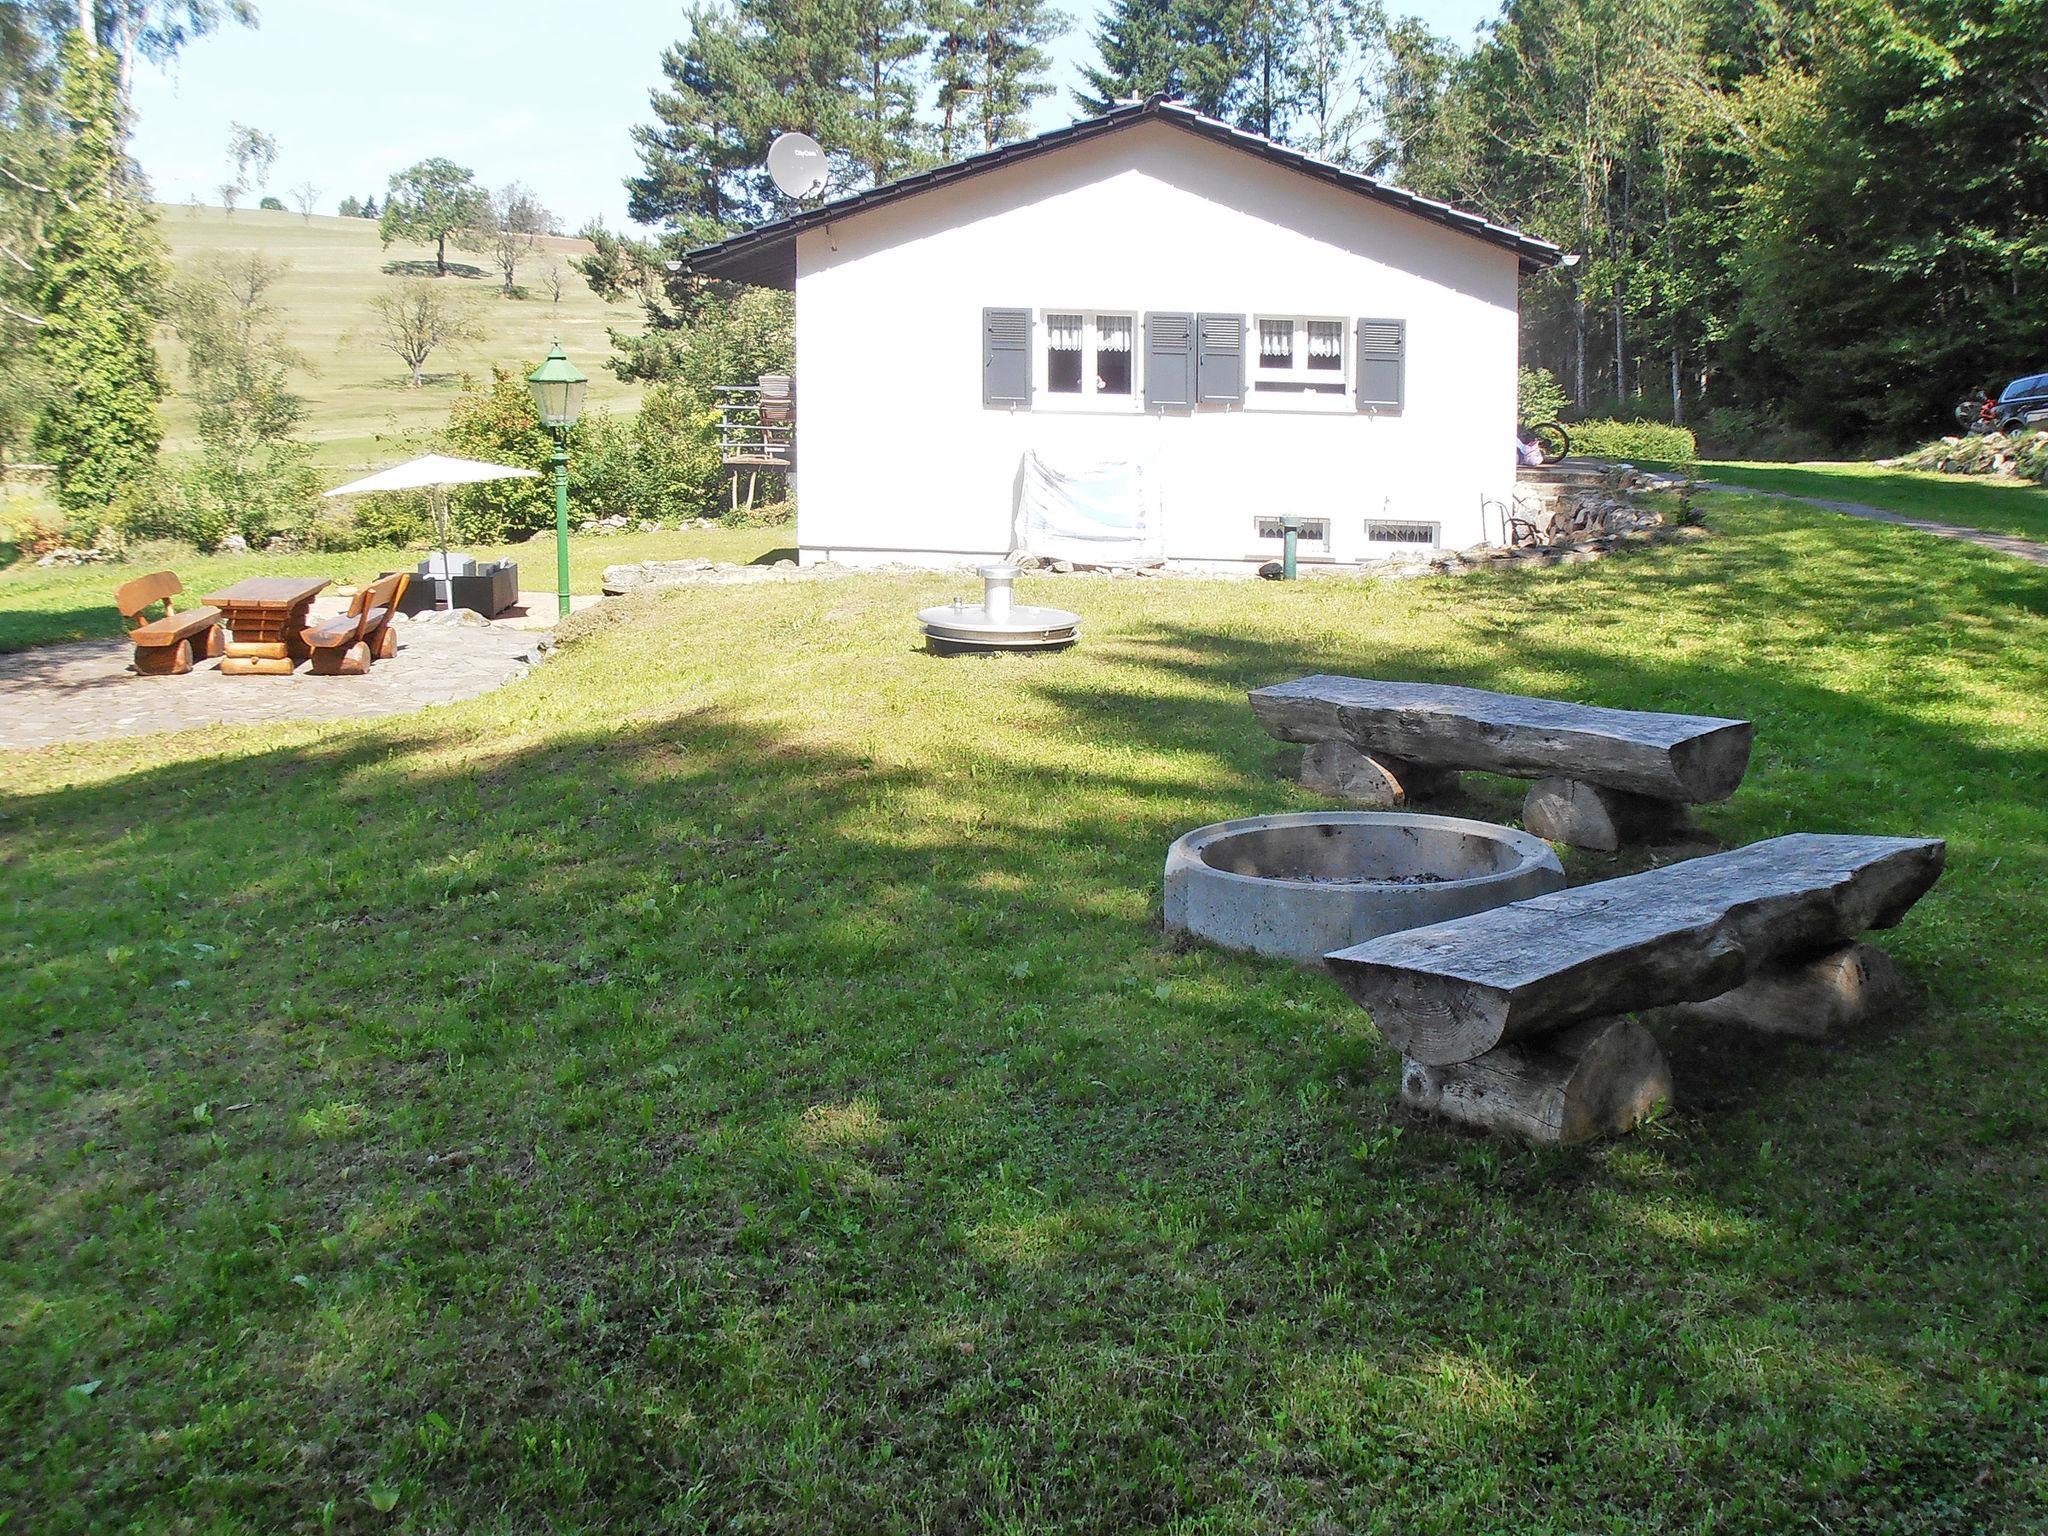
[{"x": 429, "y": 269}]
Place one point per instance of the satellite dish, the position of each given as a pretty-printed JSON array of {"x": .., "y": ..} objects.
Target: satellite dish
[{"x": 797, "y": 165}]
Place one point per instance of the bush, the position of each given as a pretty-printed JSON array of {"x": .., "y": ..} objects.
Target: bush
[
  {"x": 661, "y": 464},
  {"x": 1655, "y": 441},
  {"x": 271, "y": 205},
  {"x": 1539, "y": 396},
  {"x": 1744, "y": 432},
  {"x": 499, "y": 423}
]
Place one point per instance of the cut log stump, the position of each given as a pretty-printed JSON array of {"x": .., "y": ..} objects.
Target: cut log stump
[
  {"x": 1594, "y": 1078},
  {"x": 1341, "y": 771},
  {"x": 1589, "y": 816},
  {"x": 1849, "y": 988}
]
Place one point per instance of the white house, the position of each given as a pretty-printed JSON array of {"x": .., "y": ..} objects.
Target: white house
[{"x": 1146, "y": 335}]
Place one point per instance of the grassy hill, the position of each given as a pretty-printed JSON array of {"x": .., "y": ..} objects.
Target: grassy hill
[{"x": 354, "y": 391}]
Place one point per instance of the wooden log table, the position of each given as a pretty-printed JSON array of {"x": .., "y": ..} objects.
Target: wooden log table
[
  {"x": 1604, "y": 776},
  {"x": 265, "y": 616}
]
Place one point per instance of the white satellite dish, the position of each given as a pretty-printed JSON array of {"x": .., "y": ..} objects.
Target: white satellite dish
[{"x": 797, "y": 165}]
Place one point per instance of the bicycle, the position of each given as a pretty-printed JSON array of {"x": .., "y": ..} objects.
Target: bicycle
[{"x": 1550, "y": 440}]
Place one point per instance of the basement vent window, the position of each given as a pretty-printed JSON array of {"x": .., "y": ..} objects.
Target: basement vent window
[
  {"x": 1400, "y": 533},
  {"x": 1313, "y": 538}
]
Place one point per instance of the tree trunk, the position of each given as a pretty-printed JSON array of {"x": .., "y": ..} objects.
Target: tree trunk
[
  {"x": 441, "y": 255},
  {"x": 1578, "y": 344}
]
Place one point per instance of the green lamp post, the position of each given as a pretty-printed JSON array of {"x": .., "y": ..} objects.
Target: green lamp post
[{"x": 557, "y": 387}]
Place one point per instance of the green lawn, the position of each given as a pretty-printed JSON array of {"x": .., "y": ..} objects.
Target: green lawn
[
  {"x": 356, "y": 393},
  {"x": 734, "y": 1080},
  {"x": 1996, "y": 506},
  {"x": 41, "y": 606}
]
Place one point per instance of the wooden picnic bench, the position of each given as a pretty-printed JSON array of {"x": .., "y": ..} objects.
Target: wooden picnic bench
[
  {"x": 164, "y": 647},
  {"x": 1513, "y": 1019},
  {"x": 1603, "y": 776},
  {"x": 345, "y": 645}
]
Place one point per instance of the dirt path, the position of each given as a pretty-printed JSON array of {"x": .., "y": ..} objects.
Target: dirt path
[{"x": 2004, "y": 543}]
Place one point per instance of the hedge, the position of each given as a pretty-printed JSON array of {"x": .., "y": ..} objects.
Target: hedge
[{"x": 1656, "y": 441}]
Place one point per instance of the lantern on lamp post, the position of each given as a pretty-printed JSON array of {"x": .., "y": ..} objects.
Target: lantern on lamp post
[{"x": 557, "y": 386}]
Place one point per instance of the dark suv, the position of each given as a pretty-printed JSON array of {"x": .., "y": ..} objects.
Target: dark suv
[{"x": 2022, "y": 404}]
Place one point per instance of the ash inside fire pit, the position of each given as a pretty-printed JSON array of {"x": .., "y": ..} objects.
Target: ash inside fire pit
[{"x": 1300, "y": 886}]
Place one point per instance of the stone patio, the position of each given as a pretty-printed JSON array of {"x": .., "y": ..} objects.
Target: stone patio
[{"x": 85, "y": 691}]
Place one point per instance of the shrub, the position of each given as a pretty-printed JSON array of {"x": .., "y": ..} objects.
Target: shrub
[
  {"x": 661, "y": 464},
  {"x": 397, "y": 518},
  {"x": 1539, "y": 397},
  {"x": 498, "y": 422},
  {"x": 1655, "y": 441},
  {"x": 1744, "y": 432},
  {"x": 271, "y": 205}
]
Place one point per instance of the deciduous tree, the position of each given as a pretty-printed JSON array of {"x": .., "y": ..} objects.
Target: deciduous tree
[
  {"x": 517, "y": 221},
  {"x": 432, "y": 203},
  {"x": 418, "y": 318}
]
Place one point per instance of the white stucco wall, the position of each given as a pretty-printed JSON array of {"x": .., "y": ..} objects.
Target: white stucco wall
[{"x": 899, "y": 459}]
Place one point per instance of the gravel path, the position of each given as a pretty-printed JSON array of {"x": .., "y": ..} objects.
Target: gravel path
[{"x": 85, "y": 691}]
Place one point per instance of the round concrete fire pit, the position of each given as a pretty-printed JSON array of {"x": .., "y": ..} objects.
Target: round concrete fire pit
[{"x": 1300, "y": 886}]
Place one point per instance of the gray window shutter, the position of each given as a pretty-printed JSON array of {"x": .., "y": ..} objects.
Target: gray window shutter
[
  {"x": 1006, "y": 357},
  {"x": 1170, "y": 359},
  {"x": 1382, "y": 364},
  {"x": 1219, "y": 366}
]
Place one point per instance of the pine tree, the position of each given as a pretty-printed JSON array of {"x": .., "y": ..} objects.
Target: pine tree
[
  {"x": 991, "y": 61},
  {"x": 1186, "y": 50},
  {"x": 100, "y": 280},
  {"x": 1135, "y": 45},
  {"x": 887, "y": 43},
  {"x": 1266, "y": 52}
]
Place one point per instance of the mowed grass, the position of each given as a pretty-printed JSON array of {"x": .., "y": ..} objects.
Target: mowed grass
[
  {"x": 1970, "y": 501},
  {"x": 355, "y": 392},
  {"x": 44, "y": 606},
  {"x": 735, "y": 1080}
]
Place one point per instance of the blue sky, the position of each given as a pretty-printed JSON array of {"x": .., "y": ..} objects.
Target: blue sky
[{"x": 514, "y": 89}]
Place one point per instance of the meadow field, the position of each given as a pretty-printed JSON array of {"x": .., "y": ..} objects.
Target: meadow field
[
  {"x": 356, "y": 393},
  {"x": 735, "y": 1080}
]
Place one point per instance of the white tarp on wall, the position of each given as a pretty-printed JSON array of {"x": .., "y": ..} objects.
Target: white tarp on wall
[{"x": 1097, "y": 514}]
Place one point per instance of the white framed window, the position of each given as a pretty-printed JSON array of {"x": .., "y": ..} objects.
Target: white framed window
[
  {"x": 1310, "y": 541},
  {"x": 1091, "y": 354},
  {"x": 1300, "y": 355}
]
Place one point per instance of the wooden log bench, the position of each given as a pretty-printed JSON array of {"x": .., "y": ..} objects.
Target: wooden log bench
[
  {"x": 344, "y": 646},
  {"x": 1603, "y": 776},
  {"x": 165, "y": 647},
  {"x": 1513, "y": 1019}
]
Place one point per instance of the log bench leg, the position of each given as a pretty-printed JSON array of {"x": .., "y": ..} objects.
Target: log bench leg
[
  {"x": 164, "y": 660},
  {"x": 1815, "y": 999},
  {"x": 1589, "y": 816},
  {"x": 341, "y": 660},
  {"x": 1342, "y": 771},
  {"x": 1585, "y": 1080}
]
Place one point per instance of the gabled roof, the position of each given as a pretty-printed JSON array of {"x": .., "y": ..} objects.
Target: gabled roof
[{"x": 766, "y": 254}]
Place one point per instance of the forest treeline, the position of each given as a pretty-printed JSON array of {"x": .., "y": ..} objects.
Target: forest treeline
[{"x": 1808, "y": 221}]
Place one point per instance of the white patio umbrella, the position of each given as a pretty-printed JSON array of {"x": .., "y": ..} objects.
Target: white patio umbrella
[{"x": 435, "y": 472}]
